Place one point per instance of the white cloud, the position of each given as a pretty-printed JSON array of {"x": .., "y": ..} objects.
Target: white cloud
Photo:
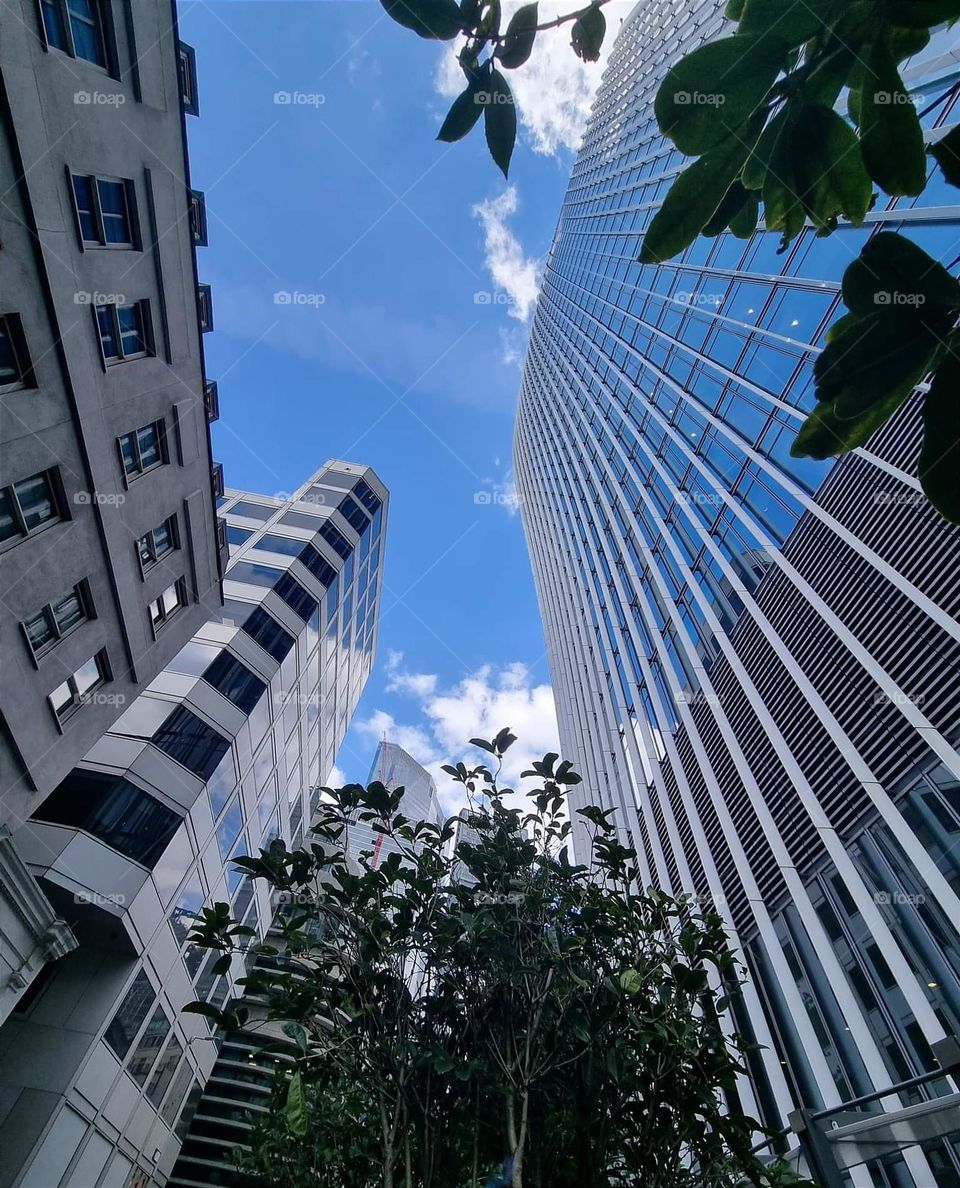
[
  {"x": 477, "y": 707},
  {"x": 553, "y": 89},
  {"x": 513, "y": 272},
  {"x": 418, "y": 684}
]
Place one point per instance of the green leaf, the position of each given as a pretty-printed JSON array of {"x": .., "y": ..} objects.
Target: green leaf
[
  {"x": 693, "y": 198},
  {"x": 891, "y": 138},
  {"x": 518, "y": 39},
  {"x": 876, "y": 359},
  {"x": 744, "y": 222},
  {"x": 892, "y": 272},
  {"x": 829, "y": 170},
  {"x": 464, "y": 112},
  {"x": 711, "y": 93},
  {"x": 631, "y": 981},
  {"x": 297, "y": 1033},
  {"x": 205, "y": 1009},
  {"x": 221, "y": 965},
  {"x": 735, "y": 201},
  {"x": 792, "y": 23},
  {"x": 939, "y": 467},
  {"x": 588, "y": 34},
  {"x": 922, "y": 13},
  {"x": 438, "y": 20},
  {"x": 946, "y": 152},
  {"x": 758, "y": 162},
  {"x": 734, "y": 9},
  {"x": 297, "y": 1105}
]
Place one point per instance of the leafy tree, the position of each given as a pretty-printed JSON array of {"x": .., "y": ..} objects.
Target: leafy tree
[
  {"x": 543, "y": 1023},
  {"x": 759, "y": 112}
]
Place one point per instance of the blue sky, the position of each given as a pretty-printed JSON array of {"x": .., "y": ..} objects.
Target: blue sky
[{"x": 342, "y": 198}]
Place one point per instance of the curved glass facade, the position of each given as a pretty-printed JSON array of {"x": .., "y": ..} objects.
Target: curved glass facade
[{"x": 756, "y": 658}]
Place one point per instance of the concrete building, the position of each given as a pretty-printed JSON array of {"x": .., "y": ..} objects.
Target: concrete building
[
  {"x": 756, "y": 658},
  {"x": 225, "y": 749},
  {"x": 108, "y": 535}
]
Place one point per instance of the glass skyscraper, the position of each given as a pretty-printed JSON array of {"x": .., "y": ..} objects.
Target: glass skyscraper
[
  {"x": 756, "y": 658},
  {"x": 395, "y": 768},
  {"x": 224, "y": 751}
]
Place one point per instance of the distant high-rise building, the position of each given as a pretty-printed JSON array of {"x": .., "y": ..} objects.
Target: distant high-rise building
[
  {"x": 756, "y": 658},
  {"x": 225, "y": 750},
  {"x": 108, "y": 537},
  {"x": 395, "y": 768}
]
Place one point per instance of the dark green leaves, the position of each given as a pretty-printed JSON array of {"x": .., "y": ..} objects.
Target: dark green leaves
[
  {"x": 891, "y": 272},
  {"x": 518, "y": 39},
  {"x": 946, "y": 152},
  {"x": 830, "y": 176},
  {"x": 500, "y": 121},
  {"x": 692, "y": 200},
  {"x": 588, "y": 33},
  {"x": 940, "y": 457},
  {"x": 438, "y": 20},
  {"x": 466, "y": 109},
  {"x": 791, "y": 23},
  {"x": 891, "y": 138},
  {"x": 714, "y": 91},
  {"x": 297, "y": 1105}
]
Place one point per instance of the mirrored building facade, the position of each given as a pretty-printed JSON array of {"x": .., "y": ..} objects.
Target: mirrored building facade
[
  {"x": 225, "y": 750},
  {"x": 756, "y": 658},
  {"x": 395, "y": 768}
]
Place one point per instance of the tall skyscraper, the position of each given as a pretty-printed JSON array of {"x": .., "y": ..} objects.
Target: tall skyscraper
[
  {"x": 394, "y": 768},
  {"x": 108, "y": 536},
  {"x": 756, "y": 658},
  {"x": 225, "y": 750}
]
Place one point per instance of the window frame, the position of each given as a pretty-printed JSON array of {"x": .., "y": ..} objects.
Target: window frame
[
  {"x": 187, "y": 78},
  {"x": 157, "y": 624},
  {"x": 160, "y": 426},
  {"x": 146, "y": 331},
  {"x": 198, "y": 217},
  {"x": 11, "y": 326},
  {"x": 77, "y": 699},
  {"x": 57, "y": 499},
  {"x": 134, "y": 243},
  {"x": 205, "y": 308},
  {"x": 105, "y": 30},
  {"x": 173, "y": 527},
  {"x": 81, "y": 590}
]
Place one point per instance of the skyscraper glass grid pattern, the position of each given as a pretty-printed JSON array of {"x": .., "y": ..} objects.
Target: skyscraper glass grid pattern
[{"x": 755, "y": 657}]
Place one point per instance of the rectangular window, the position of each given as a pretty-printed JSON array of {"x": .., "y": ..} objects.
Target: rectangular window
[
  {"x": 169, "y": 602},
  {"x": 198, "y": 218},
  {"x": 130, "y": 1015},
  {"x": 57, "y": 619},
  {"x": 77, "y": 27},
  {"x": 191, "y": 742},
  {"x": 147, "y": 1050},
  {"x": 157, "y": 543},
  {"x": 105, "y": 209},
  {"x": 28, "y": 505},
  {"x": 124, "y": 330},
  {"x": 68, "y": 696},
  {"x": 187, "y": 65},
  {"x": 142, "y": 449},
  {"x": 163, "y": 1073},
  {"x": 235, "y": 681},
  {"x": 205, "y": 307},
  {"x": 15, "y": 369},
  {"x": 268, "y": 634}
]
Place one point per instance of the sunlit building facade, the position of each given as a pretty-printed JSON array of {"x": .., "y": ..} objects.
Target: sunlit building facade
[
  {"x": 756, "y": 658},
  {"x": 395, "y": 768},
  {"x": 224, "y": 751}
]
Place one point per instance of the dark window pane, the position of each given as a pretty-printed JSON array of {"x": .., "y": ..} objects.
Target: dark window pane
[
  {"x": 129, "y": 454},
  {"x": 163, "y": 1073},
  {"x": 321, "y": 569},
  {"x": 8, "y": 523},
  {"x": 235, "y": 613},
  {"x": 191, "y": 742},
  {"x": 150, "y": 1044},
  {"x": 366, "y": 496},
  {"x": 68, "y": 611},
  {"x": 294, "y": 595},
  {"x": 117, "y": 812},
  {"x": 238, "y": 536},
  {"x": 36, "y": 500},
  {"x": 39, "y": 631},
  {"x": 133, "y": 342},
  {"x": 108, "y": 338},
  {"x": 53, "y": 24},
  {"x": 268, "y": 633},
  {"x": 131, "y": 1013},
  {"x": 252, "y": 511},
  {"x": 353, "y": 514},
  {"x": 288, "y": 545},
  {"x": 113, "y": 208},
  {"x": 83, "y": 196},
  {"x": 148, "y": 438},
  {"x": 9, "y": 367},
  {"x": 301, "y": 520},
  {"x": 235, "y": 681},
  {"x": 335, "y": 538},
  {"x": 85, "y": 27}
]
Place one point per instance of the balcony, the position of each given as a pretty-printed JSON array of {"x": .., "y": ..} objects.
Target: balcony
[
  {"x": 187, "y": 68},
  {"x": 205, "y": 307},
  {"x": 198, "y": 217},
  {"x": 211, "y": 400}
]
